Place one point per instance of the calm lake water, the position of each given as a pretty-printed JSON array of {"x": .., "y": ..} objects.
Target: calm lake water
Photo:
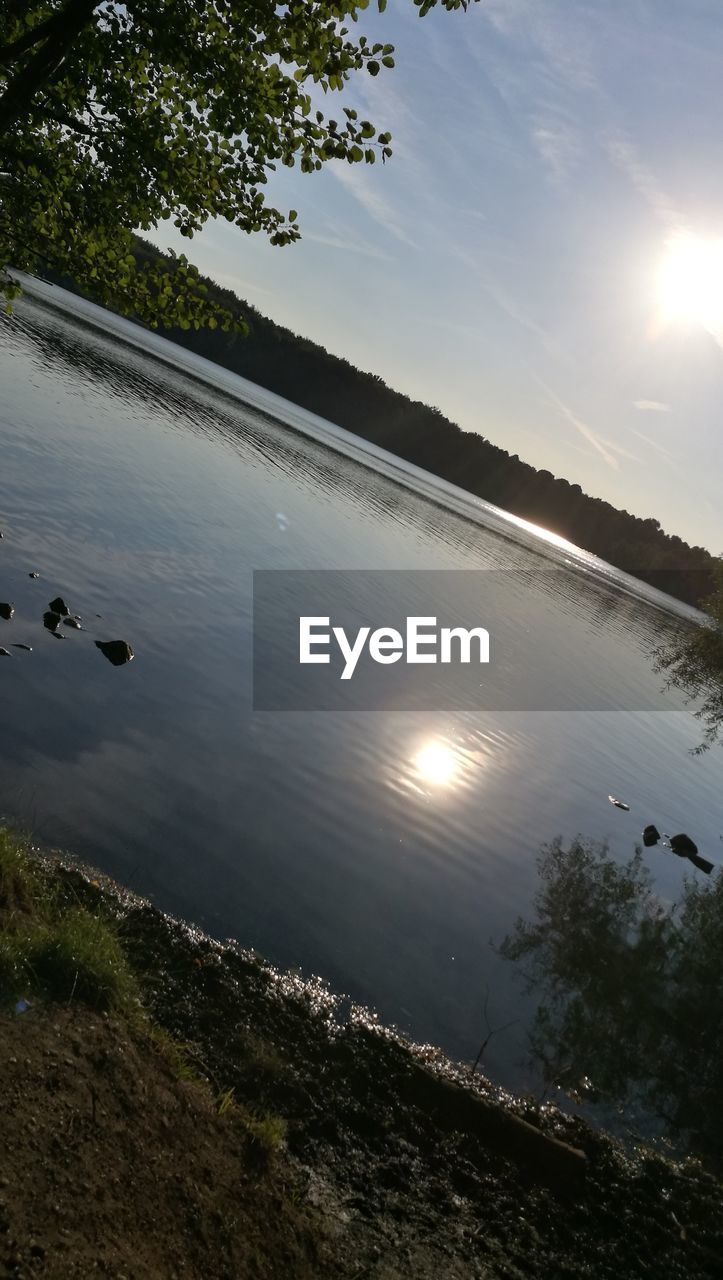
[{"x": 146, "y": 486}]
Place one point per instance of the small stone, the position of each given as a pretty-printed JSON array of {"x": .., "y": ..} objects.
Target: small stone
[
  {"x": 116, "y": 651},
  {"x": 34, "y": 574},
  {"x": 51, "y": 619},
  {"x": 73, "y": 622},
  {"x": 27, "y": 647},
  {"x": 58, "y": 605},
  {"x": 5, "y": 653},
  {"x": 7, "y": 611}
]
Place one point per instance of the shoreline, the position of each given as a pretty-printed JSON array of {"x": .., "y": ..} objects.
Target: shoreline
[{"x": 381, "y": 1155}]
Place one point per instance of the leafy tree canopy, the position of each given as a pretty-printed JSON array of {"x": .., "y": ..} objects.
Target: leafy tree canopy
[{"x": 115, "y": 116}]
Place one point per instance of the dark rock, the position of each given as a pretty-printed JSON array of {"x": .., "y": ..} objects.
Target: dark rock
[
  {"x": 73, "y": 622},
  {"x": 7, "y": 611},
  {"x": 34, "y": 574},
  {"x": 58, "y": 605},
  {"x": 51, "y": 620},
  {"x": 683, "y": 845},
  {"x": 651, "y": 836},
  {"x": 687, "y": 848},
  {"x": 5, "y": 653},
  {"x": 29, "y": 647},
  {"x": 701, "y": 863},
  {"x": 116, "y": 651}
]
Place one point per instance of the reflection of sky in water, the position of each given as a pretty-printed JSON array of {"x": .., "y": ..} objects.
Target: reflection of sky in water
[{"x": 383, "y": 851}]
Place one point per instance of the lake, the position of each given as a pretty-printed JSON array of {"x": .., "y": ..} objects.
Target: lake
[{"x": 382, "y": 850}]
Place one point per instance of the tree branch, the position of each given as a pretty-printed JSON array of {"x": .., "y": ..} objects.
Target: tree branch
[{"x": 44, "y": 65}]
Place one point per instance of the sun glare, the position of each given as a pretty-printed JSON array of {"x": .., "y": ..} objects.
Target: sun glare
[
  {"x": 437, "y": 763},
  {"x": 690, "y": 283}
]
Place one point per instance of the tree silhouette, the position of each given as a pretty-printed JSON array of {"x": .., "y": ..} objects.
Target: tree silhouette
[
  {"x": 694, "y": 663},
  {"x": 630, "y": 988}
]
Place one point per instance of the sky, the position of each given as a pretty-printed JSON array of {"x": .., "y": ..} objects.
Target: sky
[{"x": 541, "y": 258}]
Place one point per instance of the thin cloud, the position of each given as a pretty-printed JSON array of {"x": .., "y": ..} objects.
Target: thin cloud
[
  {"x": 332, "y": 241},
  {"x": 558, "y": 146},
  {"x": 651, "y": 406},
  {"x": 565, "y": 44},
  {"x": 361, "y": 188},
  {"x": 624, "y": 156},
  {"x": 655, "y": 445},
  {"x": 607, "y": 450}
]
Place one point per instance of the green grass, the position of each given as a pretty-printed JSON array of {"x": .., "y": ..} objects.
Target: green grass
[
  {"x": 50, "y": 948},
  {"x": 265, "y": 1132}
]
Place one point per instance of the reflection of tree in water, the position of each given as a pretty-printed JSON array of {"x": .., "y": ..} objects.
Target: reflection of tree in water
[
  {"x": 694, "y": 663},
  {"x": 631, "y": 990}
]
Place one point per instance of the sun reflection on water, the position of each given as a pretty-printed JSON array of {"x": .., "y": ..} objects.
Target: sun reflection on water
[{"x": 437, "y": 762}]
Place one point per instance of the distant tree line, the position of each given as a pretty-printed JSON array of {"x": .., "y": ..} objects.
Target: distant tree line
[{"x": 307, "y": 374}]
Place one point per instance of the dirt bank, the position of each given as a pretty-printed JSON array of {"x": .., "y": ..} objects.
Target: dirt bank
[{"x": 292, "y": 1137}]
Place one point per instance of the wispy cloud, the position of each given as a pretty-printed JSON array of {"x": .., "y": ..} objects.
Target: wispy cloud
[
  {"x": 608, "y": 451},
  {"x": 651, "y": 406},
  {"x": 564, "y": 42},
  {"x": 655, "y": 445},
  {"x": 239, "y": 285},
  {"x": 348, "y": 244},
  {"x": 624, "y": 156},
  {"x": 362, "y": 188},
  {"x": 558, "y": 146}
]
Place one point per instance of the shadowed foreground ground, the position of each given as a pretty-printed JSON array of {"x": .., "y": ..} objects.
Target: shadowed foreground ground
[{"x": 172, "y": 1107}]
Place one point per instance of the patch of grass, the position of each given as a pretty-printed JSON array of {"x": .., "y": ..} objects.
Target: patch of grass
[
  {"x": 225, "y": 1101},
  {"x": 19, "y": 881},
  {"x": 60, "y": 945},
  {"x": 264, "y": 1059},
  {"x": 266, "y": 1132},
  {"x": 61, "y": 951},
  {"x": 176, "y": 1053}
]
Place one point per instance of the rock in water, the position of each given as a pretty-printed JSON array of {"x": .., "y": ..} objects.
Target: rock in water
[
  {"x": 58, "y": 605},
  {"x": 651, "y": 836},
  {"x": 5, "y": 653},
  {"x": 701, "y": 863},
  {"x": 51, "y": 620},
  {"x": 7, "y": 611},
  {"x": 116, "y": 651},
  {"x": 683, "y": 846},
  {"x": 28, "y": 647},
  {"x": 34, "y": 574},
  {"x": 73, "y": 622}
]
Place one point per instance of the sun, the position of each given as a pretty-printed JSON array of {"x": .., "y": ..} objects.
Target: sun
[{"x": 690, "y": 282}]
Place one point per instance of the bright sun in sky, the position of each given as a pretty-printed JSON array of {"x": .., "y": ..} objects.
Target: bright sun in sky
[{"x": 691, "y": 282}]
